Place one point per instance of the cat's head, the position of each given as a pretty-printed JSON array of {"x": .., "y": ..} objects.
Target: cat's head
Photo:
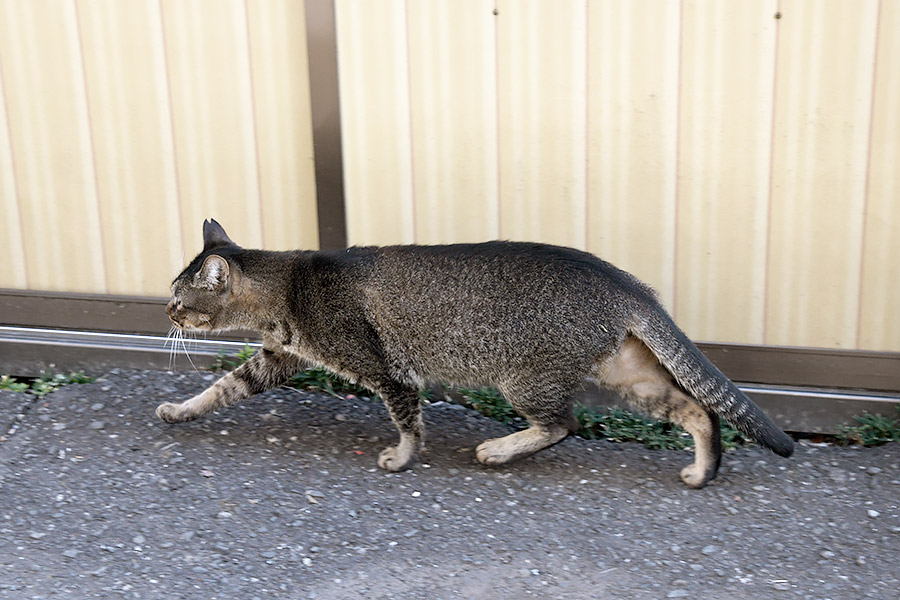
[{"x": 202, "y": 293}]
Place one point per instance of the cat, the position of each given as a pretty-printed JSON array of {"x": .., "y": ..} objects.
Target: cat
[{"x": 533, "y": 320}]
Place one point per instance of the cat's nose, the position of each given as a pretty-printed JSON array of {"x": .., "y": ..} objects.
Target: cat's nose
[{"x": 170, "y": 307}]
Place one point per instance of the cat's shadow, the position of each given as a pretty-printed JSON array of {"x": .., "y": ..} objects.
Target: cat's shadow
[{"x": 290, "y": 424}]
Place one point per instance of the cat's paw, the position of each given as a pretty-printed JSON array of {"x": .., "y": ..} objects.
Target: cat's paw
[
  {"x": 392, "y": 459},
  {"x": 493, "y": 452},
  {"x": 171, "y": 413},
  {"x": 695, "y": 476}
]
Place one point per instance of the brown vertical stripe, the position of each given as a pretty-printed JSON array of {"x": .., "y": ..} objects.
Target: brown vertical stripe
[{"x": 321, "y": 39}]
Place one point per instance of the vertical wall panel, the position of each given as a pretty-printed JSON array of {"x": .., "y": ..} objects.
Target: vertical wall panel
[
  {"x": 633, "y": 119},
  {"x": 823, "y": 100},
  {"x": 279, "y": 65},
  {"x": 132, "y": 137},
  {"x": 212, "y": 112},
  {"x": 726, "y": 103},
  {"x": 454, "y": 119},
  {"x": 879, "y": 314},
  {"x": 50, "y": 139},
  {"x": 375, "y": 120},
  {"x": 542, "y": 80},
  {"x": 12, "y": 246}
]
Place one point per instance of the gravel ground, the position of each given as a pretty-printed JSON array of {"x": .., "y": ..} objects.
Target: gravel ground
[{"x": 280, "y": 498}]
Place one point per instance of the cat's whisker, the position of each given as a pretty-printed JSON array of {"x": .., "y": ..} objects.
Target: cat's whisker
[
  {"x": 188, "y": 354},
  {"x": 170, "y": 344}
]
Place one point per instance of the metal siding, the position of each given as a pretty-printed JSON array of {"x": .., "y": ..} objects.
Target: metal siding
[
  {"x": 50, "y": 141},
  {"x": 542, "y": 79},
  {"x": 746, "y": 166},
  {"x": 879, "y": 327},
  {"x": 453, "y": 98},
  {"x": 132, "y": 143},
  {"x": 281, "y": 95},
  {"x": 125, "y": 124},
  {"x": 720, "y": 153},
  {"x": 725, "y": 123},
  {"x": 632, "y": 137},
  {"x": 375, "y": 120},
  {"x": 819, "y": 156}
]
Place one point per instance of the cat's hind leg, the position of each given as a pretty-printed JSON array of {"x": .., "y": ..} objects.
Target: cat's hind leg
[
  {"x": 634, "y": 372},
  {"x": 548, "y": 409}
]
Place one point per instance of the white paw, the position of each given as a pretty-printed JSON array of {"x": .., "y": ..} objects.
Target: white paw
[
  {"x": 694, "y": 476},
  {"x": 171, "y": 413},
  {"x": 392, "y": 459},
  {"x": 492, "y": 452}
]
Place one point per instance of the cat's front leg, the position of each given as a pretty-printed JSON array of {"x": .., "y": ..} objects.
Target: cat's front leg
[
  {"x": 403, "y": 404},
  {"x": 265, "y": 370}
]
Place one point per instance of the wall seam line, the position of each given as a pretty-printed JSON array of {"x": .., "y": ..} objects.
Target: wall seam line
[
  {"x": 178, "y": 202},
  {"x": 868, "y": 180},
  {"x": 254, "y": 121},
  {"x": 771, "y": 191},
  {"x": 499, "y": 127},
  {"x": 677, "y": 195},
  {"x": 412, "y": 146},
  {"x": 587, "y": 125}
]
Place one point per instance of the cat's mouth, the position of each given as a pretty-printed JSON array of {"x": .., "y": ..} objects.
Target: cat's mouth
[
  {"x": 187, "y": 320},
  {"x": 201, "y": 325}
]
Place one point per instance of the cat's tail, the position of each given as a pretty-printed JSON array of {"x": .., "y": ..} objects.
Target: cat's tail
[{"x": 707, "y": 384}]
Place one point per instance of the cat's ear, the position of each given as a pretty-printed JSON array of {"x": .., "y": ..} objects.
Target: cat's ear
[
  {"x": 214, "y": 236},
  {"x": 214, "y": 273}
]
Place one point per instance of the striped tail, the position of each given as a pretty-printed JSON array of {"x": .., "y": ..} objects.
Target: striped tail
[{"x": 706, "y": 383}]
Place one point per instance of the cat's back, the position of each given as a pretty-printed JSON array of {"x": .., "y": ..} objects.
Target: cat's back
[{"x": 498, "y": 268}]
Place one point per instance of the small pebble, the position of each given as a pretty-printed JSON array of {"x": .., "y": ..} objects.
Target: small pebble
[
  {"x": 873, "y": 513},
  {"x": 782, "y": 586}
]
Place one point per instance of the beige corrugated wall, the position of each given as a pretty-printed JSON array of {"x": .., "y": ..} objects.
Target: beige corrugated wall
[
  {"x": 743, "y": 164},
  {"x": 125, "y": 123}
]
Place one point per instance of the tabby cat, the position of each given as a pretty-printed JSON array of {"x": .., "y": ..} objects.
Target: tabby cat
[{"x": 533, "y": 320}]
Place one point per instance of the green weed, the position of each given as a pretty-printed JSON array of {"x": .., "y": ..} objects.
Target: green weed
[
  {"x": 11, "y": 385},
  {"x": 322, "y": 380},
  {"x": 229, "y": 362},
  {"x": 45, "y": 384},
  {"x": 872, "y": 430},
  {"x": 491, "y": 403}
]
